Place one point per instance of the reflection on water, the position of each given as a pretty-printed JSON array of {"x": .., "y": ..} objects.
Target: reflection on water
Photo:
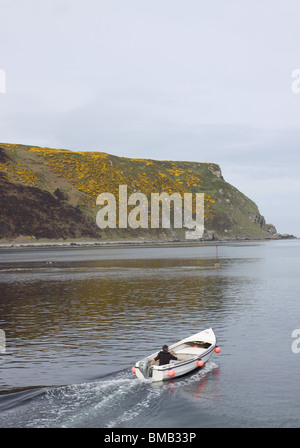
[
  {"x": 72, "y": 316},
  {"x": 60, "y": 314}
]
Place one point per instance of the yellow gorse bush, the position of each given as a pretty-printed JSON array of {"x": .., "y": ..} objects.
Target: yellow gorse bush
[
  {"x": 18, "y": 174},
  {"x": 93, "y": 173}
]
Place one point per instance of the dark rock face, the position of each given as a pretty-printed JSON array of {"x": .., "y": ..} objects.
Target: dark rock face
[{"x": 31, "y": 211}]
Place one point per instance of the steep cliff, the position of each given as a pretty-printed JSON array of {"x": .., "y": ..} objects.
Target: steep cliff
[{"x": 51, "y": 194}]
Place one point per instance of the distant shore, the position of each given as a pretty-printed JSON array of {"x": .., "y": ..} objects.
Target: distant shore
[{"x": 140, "y": 242}]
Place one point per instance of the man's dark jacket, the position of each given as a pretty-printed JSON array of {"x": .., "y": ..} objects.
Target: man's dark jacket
[{"x": 164, "y": 357}]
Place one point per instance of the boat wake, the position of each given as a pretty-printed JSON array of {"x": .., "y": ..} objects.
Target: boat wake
[{"x": 118, "y": 400}]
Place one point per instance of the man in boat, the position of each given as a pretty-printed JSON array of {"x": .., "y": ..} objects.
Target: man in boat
[{"x": 164, "y": 356}]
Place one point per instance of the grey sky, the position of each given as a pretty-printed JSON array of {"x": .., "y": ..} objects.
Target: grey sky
[{"x": 166, "y": 79}]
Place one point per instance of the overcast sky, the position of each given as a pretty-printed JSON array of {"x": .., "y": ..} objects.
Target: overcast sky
[{"x": 198, "y": 80}]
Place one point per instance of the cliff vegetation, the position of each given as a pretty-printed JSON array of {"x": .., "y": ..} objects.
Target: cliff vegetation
[{"x": 51, "y": 194}]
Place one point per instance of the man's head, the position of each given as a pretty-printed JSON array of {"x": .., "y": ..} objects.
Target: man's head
[{"x": 165, "y": 348}]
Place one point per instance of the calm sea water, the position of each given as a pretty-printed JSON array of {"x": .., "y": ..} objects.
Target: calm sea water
[{"x": 77, "y": 319}]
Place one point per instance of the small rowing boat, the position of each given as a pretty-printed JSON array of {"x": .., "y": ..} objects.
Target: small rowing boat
[{"x": 191, "y": 353}]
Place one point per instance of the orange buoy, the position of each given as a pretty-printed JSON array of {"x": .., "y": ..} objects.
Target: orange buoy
[
  {"x": 200, "y": 363},
  {"x": 171, "y": 372},
  {"x": 217, "y": 349},
  {"x": 133, "y": 369}
]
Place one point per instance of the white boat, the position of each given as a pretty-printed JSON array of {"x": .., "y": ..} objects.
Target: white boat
[{"x": 191, "y": 353}]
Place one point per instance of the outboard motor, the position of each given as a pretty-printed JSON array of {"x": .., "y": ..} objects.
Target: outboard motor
[{"x": 146, "y": 368}]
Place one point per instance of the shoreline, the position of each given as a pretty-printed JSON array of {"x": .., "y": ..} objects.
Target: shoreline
[{"x": 134, "y": 243}]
